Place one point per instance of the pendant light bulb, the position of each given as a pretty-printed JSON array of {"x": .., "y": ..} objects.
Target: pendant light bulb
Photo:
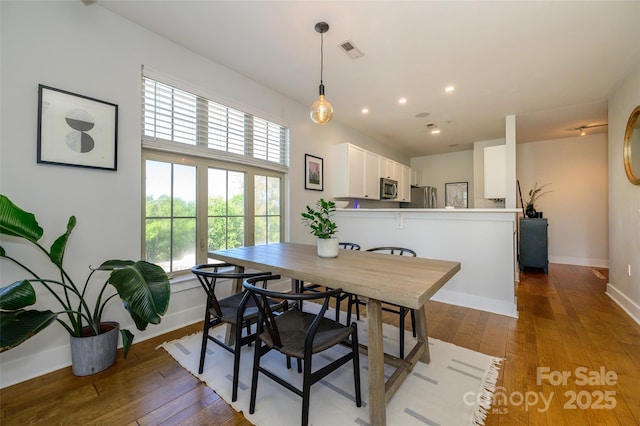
[{"x": 321, "y": 110}]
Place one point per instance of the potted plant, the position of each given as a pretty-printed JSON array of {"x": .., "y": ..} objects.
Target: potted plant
[
  {"x": 319, "y": 220},
  {"x": 142, "y": 286},
  {"x": 534, "y": 194}
]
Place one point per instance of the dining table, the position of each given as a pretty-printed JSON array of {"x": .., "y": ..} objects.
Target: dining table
[{"x": 378, "y": 278}]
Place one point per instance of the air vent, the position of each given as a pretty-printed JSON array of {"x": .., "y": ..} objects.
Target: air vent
[{"x": 351, "y": 50}]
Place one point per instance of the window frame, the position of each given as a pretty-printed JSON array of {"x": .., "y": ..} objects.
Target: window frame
[{"x": 202, "y": 166}]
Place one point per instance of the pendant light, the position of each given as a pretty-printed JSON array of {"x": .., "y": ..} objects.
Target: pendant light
[{"x": 321, "y": 110}]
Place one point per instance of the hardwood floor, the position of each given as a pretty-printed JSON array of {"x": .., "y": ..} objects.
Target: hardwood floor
[{"x": 566, "y": 325}]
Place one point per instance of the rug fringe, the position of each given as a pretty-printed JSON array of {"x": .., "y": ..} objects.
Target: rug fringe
[
  {"x": 161, "y": 345},
  {"x": 486, "y": 394}
]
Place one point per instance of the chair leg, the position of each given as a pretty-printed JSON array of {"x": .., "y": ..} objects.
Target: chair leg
[
  {"x": 338, "y": 307},
  {"x": 236, "y": 360},
  {"x": 356, "y": 364},
  {"x": 205, "y": 339},
  {"x": 306, "y": 391},
  {"x": 413, "y": 322},
  {"x": 402, "y": 313},
  {"x": 254, "y": 376}
]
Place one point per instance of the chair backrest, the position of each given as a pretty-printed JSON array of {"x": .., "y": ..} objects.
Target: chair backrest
[
  {"x": 400, "y": 251},
  {"x": 266, "y": 318},
  {"x": 349, "y": 246},
  {"x": 209, "y": 274}
]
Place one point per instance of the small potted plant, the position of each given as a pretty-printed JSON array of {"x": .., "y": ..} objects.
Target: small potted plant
[
  {"x": 143, "y": 288},
  {"x": 534, "y": 194},
  {"x": 319, "y": 220}
]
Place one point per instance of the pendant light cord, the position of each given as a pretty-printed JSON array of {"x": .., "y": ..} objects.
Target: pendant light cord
[{"x": 321, "y": 55}]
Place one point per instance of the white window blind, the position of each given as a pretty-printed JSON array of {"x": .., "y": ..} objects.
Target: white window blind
[{"x": 178, "y": 121}]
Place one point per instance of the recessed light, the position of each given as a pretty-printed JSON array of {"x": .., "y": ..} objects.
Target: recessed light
[
  {"x": 365, "y": 110},
  {"x": 435, "y": 131},
  {"x": 449, "y": 89},
  {"x": 402, "y": 101}
]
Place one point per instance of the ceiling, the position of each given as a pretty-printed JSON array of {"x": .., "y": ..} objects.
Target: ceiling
[{"x": 552, "y": 64}]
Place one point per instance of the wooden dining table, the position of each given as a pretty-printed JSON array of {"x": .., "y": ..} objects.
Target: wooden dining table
[{"x": 400, "y": 280}]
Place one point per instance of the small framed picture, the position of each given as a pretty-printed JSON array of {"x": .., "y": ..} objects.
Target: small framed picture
[
  {"x": 75, "y": 130},
  {"x": 313, "y": 173},
  {"x": 456, "y": 194}
]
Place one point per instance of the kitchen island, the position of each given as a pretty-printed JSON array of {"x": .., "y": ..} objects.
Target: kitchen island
[{"x": 482, "y": 240}]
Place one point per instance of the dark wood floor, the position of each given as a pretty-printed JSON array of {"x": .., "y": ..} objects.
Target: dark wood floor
[{"x": 566, "y": 323}]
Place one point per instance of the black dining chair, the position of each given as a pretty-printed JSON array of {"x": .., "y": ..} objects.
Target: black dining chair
[
  {"x": 300, "y": 335},
  {"x": 311, "y": 287},
  {"x": 388, "y": 307},
  {"x": 236, "y": 310}
]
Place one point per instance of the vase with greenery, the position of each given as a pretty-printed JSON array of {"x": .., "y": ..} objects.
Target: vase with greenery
[
  {"x": 319, "y": 220},
  {"x": 143, "y": 287},
  {"x": 534, "y": 194}
]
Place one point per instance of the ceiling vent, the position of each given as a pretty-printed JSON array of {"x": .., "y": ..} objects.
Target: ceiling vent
[{"x": 351, "y": 50}]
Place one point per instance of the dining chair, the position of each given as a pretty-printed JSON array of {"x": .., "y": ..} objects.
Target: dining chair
[
  {"x": 299, "y": 335},
  {"x": 311, "y": 287},
  {"x": 235, "y": 310},
  {"x": 396, "y": 309}
]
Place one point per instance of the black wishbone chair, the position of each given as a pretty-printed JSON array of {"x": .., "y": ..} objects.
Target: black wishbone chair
[
  {"x": 340, "y": 297},
  {"x": 299, "y": 335},
  {"x": 236, "y": 310},
  {"x": 396, "y": 309}
]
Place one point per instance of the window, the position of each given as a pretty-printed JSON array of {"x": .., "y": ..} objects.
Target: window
[{"x": 213, "y": 177}]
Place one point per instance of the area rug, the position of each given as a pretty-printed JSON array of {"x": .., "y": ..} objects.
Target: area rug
[{"x": 455, "y": 388}]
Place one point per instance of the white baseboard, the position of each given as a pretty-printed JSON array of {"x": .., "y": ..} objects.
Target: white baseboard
[
  {"x": 30, "y": 366},
  {"x": 580, "y": 261},
  {"x": 627, "y": 305},
  {"x": 476, "y": 302}
]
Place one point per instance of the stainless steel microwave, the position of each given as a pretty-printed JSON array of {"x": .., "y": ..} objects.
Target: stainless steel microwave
[{"x": 388, "y": 189}]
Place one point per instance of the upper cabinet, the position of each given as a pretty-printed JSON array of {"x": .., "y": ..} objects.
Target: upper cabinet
[
  {"x": 357, "y": 173},
  {"x": 495, "y": 169}
]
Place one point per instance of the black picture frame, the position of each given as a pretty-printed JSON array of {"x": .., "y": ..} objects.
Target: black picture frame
[
  {"x": 313, "y": 173},
  {"x": 456, "y": 194},
  {"x": 76, "y": 130}
]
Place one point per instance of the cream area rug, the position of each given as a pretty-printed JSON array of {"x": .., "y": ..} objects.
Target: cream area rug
[{"x": 455, "y": 388}]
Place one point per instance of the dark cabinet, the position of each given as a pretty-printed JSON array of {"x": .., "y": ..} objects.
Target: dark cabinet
[{"x": 534, "y": 244}]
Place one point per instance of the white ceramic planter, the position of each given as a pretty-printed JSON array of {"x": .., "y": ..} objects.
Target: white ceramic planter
[{"x": 328, "y": 247}]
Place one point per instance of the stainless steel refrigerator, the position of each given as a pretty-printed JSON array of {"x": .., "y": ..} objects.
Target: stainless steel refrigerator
[{"x": 423, "y": 197}]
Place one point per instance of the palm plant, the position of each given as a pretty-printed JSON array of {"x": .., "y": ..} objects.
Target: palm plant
[{"x": 142, "y": 286}]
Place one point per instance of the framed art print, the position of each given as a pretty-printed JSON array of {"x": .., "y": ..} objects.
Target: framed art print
[
  {"x": 313, "y": 173},
  {"x": 75, "y": 130},
  {"x": 456, "y": 194}
]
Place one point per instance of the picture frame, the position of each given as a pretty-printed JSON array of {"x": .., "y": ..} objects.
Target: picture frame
[
  {"x": 456, "y": 194},
  {"x": 76, "y": 130},
  {"x": 313, "y": 173}
]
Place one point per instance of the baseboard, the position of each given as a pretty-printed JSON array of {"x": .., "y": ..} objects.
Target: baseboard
[
  {"x": 43, "y": 362},
  {"x": 627, "y": 305},
  {"x": 580, "y": 261},
  {"x": 476, "y": 302}
]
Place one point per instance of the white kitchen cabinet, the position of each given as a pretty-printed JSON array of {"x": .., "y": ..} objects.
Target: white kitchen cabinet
[
  {"x": 355, "y": 173},
  {"x": 390, "y": 169},
  {"x": 404, "y": 185},
  {"x": 371, "y": 176},
  {"x": 495, "y": 169}
]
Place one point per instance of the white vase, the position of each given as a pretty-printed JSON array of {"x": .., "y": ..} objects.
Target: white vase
[{"x": 328, "y": 247}]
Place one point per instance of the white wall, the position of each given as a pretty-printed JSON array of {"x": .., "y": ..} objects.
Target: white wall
[
  {"x": 576, "y": 207},
  {"x": 442, "y": 168},
  {"x": 624, "y": 204},
  {"x": 90, "y": 51}
]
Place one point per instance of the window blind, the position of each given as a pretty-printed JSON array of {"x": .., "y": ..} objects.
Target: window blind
[{"x": 178, "y": 121}]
